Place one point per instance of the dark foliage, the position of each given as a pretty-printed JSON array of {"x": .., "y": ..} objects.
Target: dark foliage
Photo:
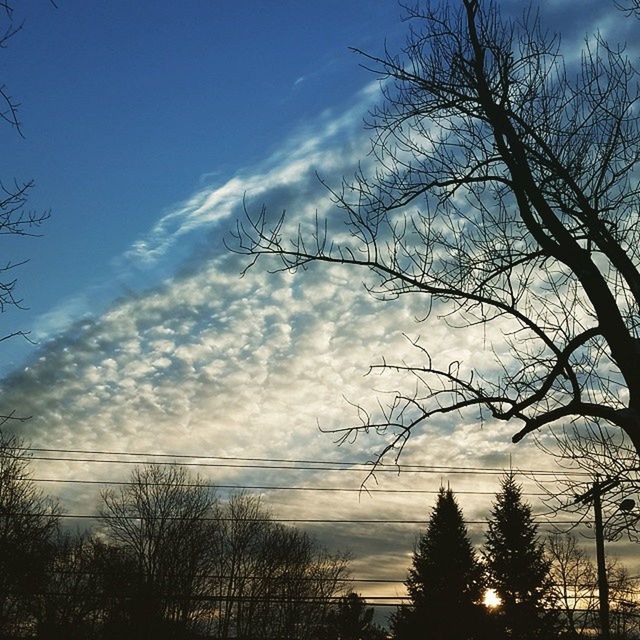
[
  {"x": 353, "y": 620},
  {"x": 445, "y": 582},
  {"x": 517, "y": 567}
]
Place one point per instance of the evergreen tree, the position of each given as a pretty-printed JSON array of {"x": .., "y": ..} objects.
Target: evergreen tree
[
  {"x": 517, "y": 567},
  {"x": 445, "y": 582}
]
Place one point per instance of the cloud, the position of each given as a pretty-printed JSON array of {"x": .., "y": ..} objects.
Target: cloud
[
  {"x": 332, "y": 143},
  {"x": 288, "y": 178},
  {"x": 204, "y": 362},
  {"x": 214, "y": 364}
]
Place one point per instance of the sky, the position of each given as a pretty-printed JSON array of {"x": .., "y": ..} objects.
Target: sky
[{"x": 145, "y": 127}]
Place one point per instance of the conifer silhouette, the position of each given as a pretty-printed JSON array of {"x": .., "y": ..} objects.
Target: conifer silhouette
[
  {"x": 445, "y": 582},
  {"x": 517, "y": 567}
]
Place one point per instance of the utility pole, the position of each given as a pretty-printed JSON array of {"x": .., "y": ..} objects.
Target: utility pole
[{"x": 594, "y": 495}]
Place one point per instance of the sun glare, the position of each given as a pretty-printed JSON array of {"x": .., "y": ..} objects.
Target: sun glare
[{"x": 491, "y": 599}]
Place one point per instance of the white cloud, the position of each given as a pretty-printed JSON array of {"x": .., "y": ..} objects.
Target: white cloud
[
  {"x": 209, "y": 363},
  {"x": 217, "y": 365},
  {"x": 332, "y": 143}
]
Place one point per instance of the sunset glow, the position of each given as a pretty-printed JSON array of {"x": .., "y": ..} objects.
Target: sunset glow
[
  {"x": 332, "y": 318},
  {"x": 491, "y": 599}
]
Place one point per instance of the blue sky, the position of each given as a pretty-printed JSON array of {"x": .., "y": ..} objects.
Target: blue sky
[
  {"x": 145, "y": 125},
  {"x": 128, "y": 108}
]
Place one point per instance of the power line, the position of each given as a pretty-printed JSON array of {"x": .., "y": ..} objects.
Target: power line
[
  {"x": 219, "y": 598},
  {"x": 379, "y": 600},
  {"x": 263, "y": 487},
  {"x": 488, "y": 471},
  {"x": 213, "y": 576},
  {"x": 257, "y": 466},
  {"x": 251, "y": 459},
  {"x": 106, "y": 517},
  {"x": 284, "y": 578}
]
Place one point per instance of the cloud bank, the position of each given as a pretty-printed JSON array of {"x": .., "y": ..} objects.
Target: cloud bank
[{"x": 204, "y": 362}]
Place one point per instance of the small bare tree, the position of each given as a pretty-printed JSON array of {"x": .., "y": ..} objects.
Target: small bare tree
[
  {"x": 575, "y": 583},
  {"x": 72, "y": 605},
  {"x": 163, "y": 522},
  {"x": 504, "y": 192},
  {"x": 270, "y": 581},
  {"x": 238, "y": 543},
  {"x": 28, "y": 523},
  {"x": 625, "y": 602}
]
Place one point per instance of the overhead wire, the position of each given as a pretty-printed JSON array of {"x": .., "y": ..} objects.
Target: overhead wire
[
  {"x": 265, "y": 487},
  {"x": 106, "y": 517},
  {"x": 371, "y": 600},
  {"x": 282, "y": 467},
  {"x": 250, "y": 462},
  {"x": 284, "y": 577}
]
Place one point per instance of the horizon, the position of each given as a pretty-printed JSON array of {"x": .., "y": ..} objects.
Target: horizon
[{"x": 148, "y": 130}]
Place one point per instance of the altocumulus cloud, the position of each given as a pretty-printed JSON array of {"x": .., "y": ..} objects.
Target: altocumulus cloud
[{"x": 210, "y": 363}]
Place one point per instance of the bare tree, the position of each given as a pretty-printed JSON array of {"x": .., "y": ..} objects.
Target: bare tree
[
  {"x": 28, "y": 523},
  {"x": 302, "y": 584},
  {"x": 72, "y": 604},
  {"x": 625, "y": 601},
  {"x": 606, "y": 455},
  {"x": 575, "y": 583},
  {"x": 238, "y": 543},
  {"x": 15, "y": 219},
  {"x": 504, "y": 192},
  {"x": 270, "y": 580},
  {"x": 163, "y": 523},
  {"x": 177, "y": 560},
  {"x": 630, "y": 7}
]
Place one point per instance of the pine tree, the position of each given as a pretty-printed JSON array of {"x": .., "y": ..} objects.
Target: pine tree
[
  {"x": 445, "y": 582},
  {"x": 517, "y": 567}
]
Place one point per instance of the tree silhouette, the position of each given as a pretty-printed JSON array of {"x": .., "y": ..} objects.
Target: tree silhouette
[
  {"x": 445, "y": 582},
  {"x": 178, "y": 562},
  {"x": 575, "y": 587},
  {"x": 72, "y": 606},
  {"x": 353, "y": 620},
  {"x": 575, "y": 584},
  {"x": 517, "y": 567},
  {"x": 161, "y": 526},
  {"x": 28, "y": 524},
  {"x": 504, "y": 194},
  {"x": 275, "y": 581},
  {"x": 15, "y": 219}
]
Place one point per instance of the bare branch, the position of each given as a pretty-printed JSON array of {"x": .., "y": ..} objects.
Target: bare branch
[{"x": 504, "y": 191}]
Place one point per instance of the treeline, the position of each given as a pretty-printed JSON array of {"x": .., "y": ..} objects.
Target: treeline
[
  {"x": 168, "y": 559},
  {"x": 540, "y": 589}
]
